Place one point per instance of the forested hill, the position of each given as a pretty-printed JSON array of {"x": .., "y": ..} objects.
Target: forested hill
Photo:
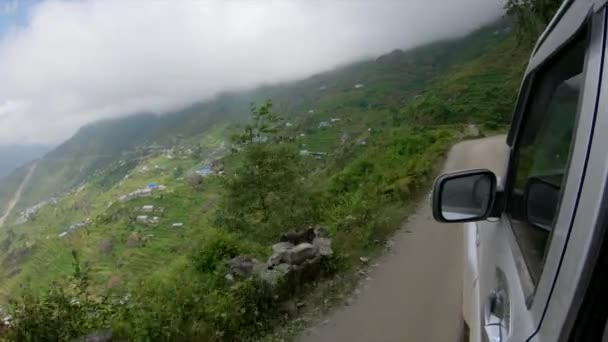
[{"x": 388, "y": 83}]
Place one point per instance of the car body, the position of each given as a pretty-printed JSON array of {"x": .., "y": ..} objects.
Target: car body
[{"x": 535, "y": 237}]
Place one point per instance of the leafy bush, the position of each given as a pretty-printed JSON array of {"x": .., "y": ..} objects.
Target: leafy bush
[
  {"x": 64, "y": 312},
  {"x": 216, "y": 247},
  {"x": 240, "y": 312},
  {"x": 266, "y": 195}
]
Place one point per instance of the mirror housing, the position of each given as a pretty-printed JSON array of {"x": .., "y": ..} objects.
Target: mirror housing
[{"x": 465, "y": 196}]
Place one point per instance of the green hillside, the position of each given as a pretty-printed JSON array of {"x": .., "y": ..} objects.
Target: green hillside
[
  {"x": 357, "y": 145},
  {"x": 388, "y": 83}
]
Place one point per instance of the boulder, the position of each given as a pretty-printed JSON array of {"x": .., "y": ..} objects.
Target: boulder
[
  {"x": 279, "y": 251},
  {"x": 114, "y": 282},
  {"x": 321, "y": 231},
  {"x": 289, "y": 308},
  {"x": 301, "y": 253},
  {"x": 243, "y": 266},
  {"x": 133, "y": 240},
  {"x": 324, "y": 246},
  {"x": 282, "y": 247},
  {"x": 297, "y": 237},
  {"x": 106, "y": 246},
  {"x": 273, "y": 277}
]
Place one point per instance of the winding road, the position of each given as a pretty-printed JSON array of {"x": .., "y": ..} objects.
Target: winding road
[
  {"x": 17, "y": 194},
  {"x": 414, "y": 293}
]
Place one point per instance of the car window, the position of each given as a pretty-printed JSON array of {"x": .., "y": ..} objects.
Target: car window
[{"x": 542, "y": 154}]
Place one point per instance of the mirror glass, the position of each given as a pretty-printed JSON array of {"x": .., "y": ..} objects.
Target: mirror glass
[
  {"x": 466, "y": 197},
  {"x": 542, "y": 197}
]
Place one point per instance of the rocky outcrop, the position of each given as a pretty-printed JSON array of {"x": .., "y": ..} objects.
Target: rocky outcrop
[
  {"x": 300, "y": 253},
  {"x": 290, "y": 265}
]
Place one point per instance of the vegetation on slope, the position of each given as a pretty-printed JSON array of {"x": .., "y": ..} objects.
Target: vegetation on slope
[{"x": 161, "y": 283}]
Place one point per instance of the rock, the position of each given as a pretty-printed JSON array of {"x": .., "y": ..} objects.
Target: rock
[
  {"x": 324, "y": 246},
  {"x": 273, "y": 277},
  {"x": 364, "y": 260},
  {"x": 279, "y": 251},
  {"x": 114, "y": 282},
  {"x": 471, "y": 131},
  {"x": 350, "y": 218},
  {"x": 389, "y": 244},
  {"x": 106, "y": 246},
  {"x": 298, "y": 237},
  {"x": 133, "y": 240},
  {"x": 229, "y": 278},
  {"x": 321, "y": 231},
  {"x": 289, "y": 308},
  {"x": 96, "y": 336},
  {"x": 243, "y": 266},
  {"x": 208, "y": 205},
  {"x": 301, "y": 253},
  {"x": 282, "y": 247}
]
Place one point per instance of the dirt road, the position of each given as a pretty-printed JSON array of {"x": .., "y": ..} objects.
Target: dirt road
[
  {"x": 17, "y": 194},
  {"x": 414, "y": 292}
]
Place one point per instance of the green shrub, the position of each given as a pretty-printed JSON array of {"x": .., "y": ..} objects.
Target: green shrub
[
  {"x": 240, "y": 312},
  {"x": 216, "y": 247},
  {"x": 57, "y": 315}
]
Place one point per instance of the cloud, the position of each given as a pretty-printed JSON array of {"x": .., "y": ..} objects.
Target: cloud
[
  {"x": 9, "y": 7},
  {"x": 79, "y": 61}
]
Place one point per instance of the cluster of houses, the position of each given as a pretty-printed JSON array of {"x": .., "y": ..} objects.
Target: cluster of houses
[
  {"x": 316, "y": 155},
  {"x": 73, "y": 227},
  {"x": 25, "y": 215},
  {"x": 217, "y": 167},
  {"x": 139, "y": 193},
  {"x": 147, "y": 219},
  {"x": 327, "y": 124}
]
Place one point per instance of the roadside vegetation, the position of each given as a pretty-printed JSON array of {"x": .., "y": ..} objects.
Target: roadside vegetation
[{"x": 346, "y": 150}]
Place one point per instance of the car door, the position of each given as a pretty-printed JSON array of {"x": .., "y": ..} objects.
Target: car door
[{"x": 519, "y": 255}]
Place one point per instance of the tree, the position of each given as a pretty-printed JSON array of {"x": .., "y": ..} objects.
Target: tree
[
  {"x": 266, "y": 194},
  {"x": 263, "y": 127},
  {"x": 532, "y": 16}
]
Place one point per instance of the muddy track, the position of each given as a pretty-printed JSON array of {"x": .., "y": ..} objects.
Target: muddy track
[{"x": 17, "y": 194}]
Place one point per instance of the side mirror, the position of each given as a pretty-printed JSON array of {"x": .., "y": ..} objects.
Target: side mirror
[
  {"x": 541, "y": 199},
  {"x": 464, "y": 196}
]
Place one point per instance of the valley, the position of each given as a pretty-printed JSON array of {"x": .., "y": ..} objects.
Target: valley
[{"x": 145, "y": 210}]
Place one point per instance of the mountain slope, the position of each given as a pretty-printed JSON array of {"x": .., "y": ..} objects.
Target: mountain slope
[
  {"x": 387, "y": 83},
  {"x": 366, "y": 153}
]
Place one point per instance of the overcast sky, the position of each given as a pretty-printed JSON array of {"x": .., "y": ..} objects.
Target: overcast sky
[{"x": 67, "y": 63}]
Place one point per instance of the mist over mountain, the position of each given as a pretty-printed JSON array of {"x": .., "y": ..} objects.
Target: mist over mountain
[{"x": 13, "y": 156}]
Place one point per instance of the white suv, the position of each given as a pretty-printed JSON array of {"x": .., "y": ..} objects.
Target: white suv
[{"x": 536, "y": 258}]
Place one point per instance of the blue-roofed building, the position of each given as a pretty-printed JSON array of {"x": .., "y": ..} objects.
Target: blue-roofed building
[{"x": 204, "y": 171}]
